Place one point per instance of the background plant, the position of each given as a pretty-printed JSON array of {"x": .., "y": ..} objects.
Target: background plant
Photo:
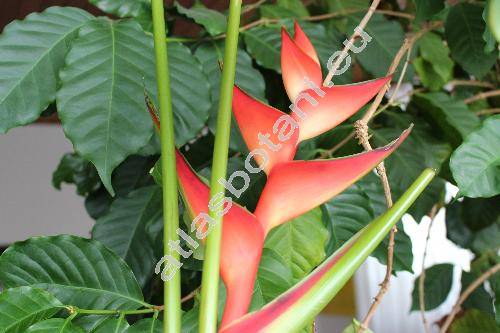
[{"x": 95, "y": 70}]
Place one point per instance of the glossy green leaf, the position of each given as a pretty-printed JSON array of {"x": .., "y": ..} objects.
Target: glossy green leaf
[
  {"x": 247, "y": 78},
  {"x": 353, "y": 209},
  {"x": 487, "y": 239},
  {"x": 296, "y": 6},
  {"x": 464, "y": 28},
  {"x": 419, "y": 151},
  {"x": 125, "y": 230},
  {"x": 90, "y": 322},
  {"x": 451, "y": 115},
  {"x": 480, "y": 299},
  {"x": 475, "y": 164},
  {"x": 112, "y": 324},
  {"x": 23, "y": 306},
  {"x": 75, "y": 270},
  {"x": 387, "y": 37},
  {"x": 273, "y": 278},
  {"x": 474, "y": 321},
  {"x": 73, "y": 169},
  {"x": 101, "y": 102},
  {"x": 435, "y": 65},
  {"x": 32, "y": 52},
  {"x": 123, "y": 8},
  {"x": 437, "y": 286},
  {"x": 300, "y": 242},
  {"x": 55, "y": 325},
  {"x": 276, "y": 12},
  {"x": 213, "y": 21},
  {"x": 426, "y": 9},
  {"x": 148, "y": 325}
]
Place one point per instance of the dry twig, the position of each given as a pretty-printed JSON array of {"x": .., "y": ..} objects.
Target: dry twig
[
  {"x": 482, "y": 95},
  {"x": 469, "y": 290},
  {"x": 488, "y": 111}
]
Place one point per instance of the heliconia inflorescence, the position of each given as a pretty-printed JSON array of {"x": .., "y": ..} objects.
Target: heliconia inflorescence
[{"x": 293, "y": 187}]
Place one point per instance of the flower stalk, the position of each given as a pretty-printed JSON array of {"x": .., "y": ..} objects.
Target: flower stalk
[
  {"x": 172, "y": 287},
  {"x": 210, "y": 278}
]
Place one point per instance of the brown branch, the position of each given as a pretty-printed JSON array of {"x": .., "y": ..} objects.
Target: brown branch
[
  {"x": 344, "y": 52},
  {"x": 482, "y": 95},
  {"x": 471, "y": 83},
  {"x": 361, "y": 127},
  {"x": 488, "y": 111},
  {"x": 421, "y": 280},
  {"x": 252, "y": 6},
  {"x": 469, "y": 290}
]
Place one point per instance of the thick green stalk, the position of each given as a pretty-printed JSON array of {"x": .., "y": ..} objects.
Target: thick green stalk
[
  {"x": 172, "y": 291},
  {"x": 210, "y": 279}
]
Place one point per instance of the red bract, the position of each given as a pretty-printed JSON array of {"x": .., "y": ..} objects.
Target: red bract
[{"x": 293, "y": 187}]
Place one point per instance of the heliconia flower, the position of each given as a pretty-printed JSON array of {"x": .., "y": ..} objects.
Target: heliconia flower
[
  {"x": 257, "y": 121},
  {"x": 316, "y": 109},
  {"x": 296, "y": 187},
  {"x": 241, "y": 245},
  {"x": 298, "y": 306}
]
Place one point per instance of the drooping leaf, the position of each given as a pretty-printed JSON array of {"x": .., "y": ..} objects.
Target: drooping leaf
[
  {"x": 125, "y": 230},
  {"x": 213, "y": 21},
  {"x": 55, "y": 325},
  {"x": 73, "y": 169},
  {"x": 437, "y": 286},
  {"x": 451, "y": 115},
  {"x": 21, "y": 307},
  {"x": 148, "y": 325},
  {"x": 426, "y": 9},
  {"x": 75, "y": 270},
  {"x": 464, "y": 28},
  {"x": 101, "y": 102},
  {"x": 474, "y": 321},
  {"x": 32, "y": 52},
  {"x": 273, "y": 278},
  {"x": 292, "y": 241},
  {"x": 475, "y": 164},
  {"x": 247, "y": 78}
]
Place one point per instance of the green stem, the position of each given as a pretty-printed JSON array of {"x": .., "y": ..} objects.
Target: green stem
[
  {"x": 74, "y": 310},
  {"x": 210, "y": 279},
  {"x": 172, "y": 289}
]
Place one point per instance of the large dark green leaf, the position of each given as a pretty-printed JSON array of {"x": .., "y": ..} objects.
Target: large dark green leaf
[
  {"x": 125, "y": 229},
  {"x": 23, "y": 306},
  {"x": 101, "y": 102},
  {"x": 32, "y": 52},
  {"x": 476, "y": 163},
  {"x": 464, "y": 28},
  {"x": 451, "y": 115},
  {"x": 247, "y": 78},
  {"x": 420, "y": 150},
  {"x": 73, "y": 169},
  {"x": 213, "y": 21},
  {"x": 111, "y": 324},
  {"x": 300, "y": 242},
  {"x": 77, "y": 271},
  {"x": 387, "y": 37},
  {"x": 273, "y": 278},
  {"x": 480, "y": 299},
  {"x": 354, "y": 208},
  {"x": 437, "y": 286},
  {"x": 475, "y": 321},
  {"x": 55, "y": 325}
]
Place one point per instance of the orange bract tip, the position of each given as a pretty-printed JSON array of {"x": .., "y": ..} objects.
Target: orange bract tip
[{"x": 304, "y": 43}]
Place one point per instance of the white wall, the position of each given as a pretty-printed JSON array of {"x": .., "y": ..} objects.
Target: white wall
[{"x": 29, "y": 205}]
